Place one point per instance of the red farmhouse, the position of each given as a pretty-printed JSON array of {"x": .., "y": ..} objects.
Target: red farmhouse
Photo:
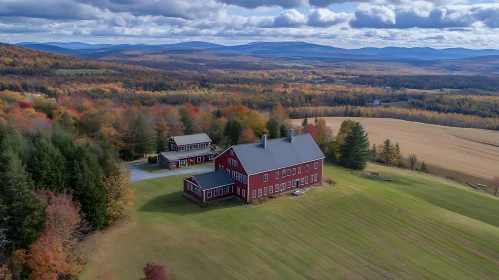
[
  {"x": 186, "y": 150},
  {"x": 257, "y": 170}
]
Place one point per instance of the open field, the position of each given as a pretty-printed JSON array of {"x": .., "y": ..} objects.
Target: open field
[
  {"x": 80, "y": 71},
  {"x": 471, "y": 151},
  {"x": 416, "y": 227}
]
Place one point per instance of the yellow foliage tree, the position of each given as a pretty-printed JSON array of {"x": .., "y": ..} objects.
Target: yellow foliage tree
[{"x": 119, "y": 196}]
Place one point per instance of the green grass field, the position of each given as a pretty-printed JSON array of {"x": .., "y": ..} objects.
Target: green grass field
[
  {"x": 80, "y": 71},
  {"x": 416, "y": 227}
]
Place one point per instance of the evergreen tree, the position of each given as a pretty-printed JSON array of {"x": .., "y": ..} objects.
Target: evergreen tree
[
  {"x": 274, "y": 129},
  {"x": 386, "y": 152},
  {"x": 233, "y": 130},
  {"x": 305, "y": 121},
  {"x": 47, "y": 165},
  {"x": 374, "y": 153},
  {"x": 85, "y": 180},
  {"x": 143, "y": 137},
  {"x": 23, "y": 211},
  {"x": 331, "y": 152},
  {"x": 186, "y": 122},
  {"x": 397, "y": 155},
  {"x": 283, "y": 131},
  {"x": 354, "y": 152},
  {"x": 424, "y": 168}
]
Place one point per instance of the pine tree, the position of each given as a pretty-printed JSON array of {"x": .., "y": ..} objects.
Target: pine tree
[
  {"x": 186, "y": 122},
  {"x": 143, "y": 137},
  {"x": 283, "y": 131},
  {"x": 233, "y": 130},
  {"x": 424, "y": 168},
  {"x": 347, "y": 112},
  {"x": 23, "y": 210},
  {"x": 397, "y": 156},
  {"x": 354, "y": 152},
  {"x": 305, "y": 121},
  {"x": 273, "y": 127},
  {"x": 386, "y": 152},
  {"x": 374, "y": 153}
]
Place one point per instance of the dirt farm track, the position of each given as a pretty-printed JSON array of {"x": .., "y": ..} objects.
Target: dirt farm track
[{"x": 472, "y": 151}]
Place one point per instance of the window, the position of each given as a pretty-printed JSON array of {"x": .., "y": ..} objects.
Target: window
[
  {"x": 229, "y": 160},
  {"x": 316, "y": 165},
  {"x": 259, "y": 192},
  {"x": 208, "y": 194},
  {"x": 225, "y": 190},
  {"x": 199, "y": 159},
  {"x": 283, "y": 186},
  {"x": 294, "y": 184},
  {"x": 228, "y": 171},
  {"x": 294, "y": 171},
  {"x": 301, "y": 181},
  {"x": 233, "y": 174},
  {"x": 266, "y": 177},
  {"x": 276, "y": 188},
  {"x": 271, "y": 190},
  {"x": 238, "y": 191},
  {"x": 289, "y": 172},
  {"x": 306, "y": 180},
  {"x": 306, "y": 167},
  {"x": 277, "y": 174},
  {"x": 254, "y": 194},
  {"x": 220, "y": 191},
  {"x": 315, "y": 177},
  {"x": 299, "y": 170},
  {"x": 211, "y": 157},
  {"x": 230, "y": 189},
  {"x": 289, "y": 185},
  {"x": 244, "y": 193},
  {"x": 216, "y": 192},
  {"x": 244, "y": 179},
  {"x": 231, "y": 152},
  {"x": 265, "y": 190}
]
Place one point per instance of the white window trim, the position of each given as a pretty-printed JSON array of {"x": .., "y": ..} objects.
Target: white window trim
[
  {"x": 265, "y": 177},
  {"x": 254, "y": 194}
]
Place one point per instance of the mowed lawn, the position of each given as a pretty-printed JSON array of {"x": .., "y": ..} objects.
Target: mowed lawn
[{"x": 415, "y": 227}]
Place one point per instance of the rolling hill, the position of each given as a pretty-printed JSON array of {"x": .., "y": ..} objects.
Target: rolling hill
[{"x": 415, "y": 227}]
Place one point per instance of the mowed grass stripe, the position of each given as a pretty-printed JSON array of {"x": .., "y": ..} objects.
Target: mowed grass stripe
[{"x": 359, "y": 229}]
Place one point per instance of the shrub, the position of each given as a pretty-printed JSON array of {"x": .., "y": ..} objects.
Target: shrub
[{"x": 152, "y": 159}]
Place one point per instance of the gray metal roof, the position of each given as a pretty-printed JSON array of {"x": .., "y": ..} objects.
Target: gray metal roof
[
  {"x": 278, "y": 154},
  {"x": 175, "y": 155},
  {"x": 213, "y": 179},
  {"x": 191, "y": 139}
]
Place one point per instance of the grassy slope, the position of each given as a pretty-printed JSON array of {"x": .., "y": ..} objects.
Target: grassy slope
[{"x": 415, "y": 227}]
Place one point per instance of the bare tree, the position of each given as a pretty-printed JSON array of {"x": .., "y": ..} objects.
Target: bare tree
[
  {"x": 413, "y": 160},
  {"x": 4, "y": 246},
  {"x": 494, "y": 183}
]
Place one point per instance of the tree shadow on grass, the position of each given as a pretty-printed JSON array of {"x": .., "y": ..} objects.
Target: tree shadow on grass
[{"x": 175, "y": 203}]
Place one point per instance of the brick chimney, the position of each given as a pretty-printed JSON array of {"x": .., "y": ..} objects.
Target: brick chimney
[{"x": 264, "y": 141}]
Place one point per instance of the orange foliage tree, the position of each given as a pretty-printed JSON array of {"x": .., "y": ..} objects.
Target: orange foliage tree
[{"x": 55, "y": 253}]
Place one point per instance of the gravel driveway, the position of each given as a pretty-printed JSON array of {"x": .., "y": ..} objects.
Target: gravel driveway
[{"x": 136, "y": 174}]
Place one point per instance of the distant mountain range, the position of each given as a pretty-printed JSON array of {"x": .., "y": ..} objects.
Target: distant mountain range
[{"x": 291, "y": 50}]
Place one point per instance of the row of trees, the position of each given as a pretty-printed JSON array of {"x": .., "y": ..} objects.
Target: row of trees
[
  {"x": 54, "y": 190},
  {"x": 446, "y": 119}
]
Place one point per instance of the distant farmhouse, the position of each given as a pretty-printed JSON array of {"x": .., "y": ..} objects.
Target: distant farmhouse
[
  {"x": 257, "y": 170},
  {"x": 186, "y": 150}
]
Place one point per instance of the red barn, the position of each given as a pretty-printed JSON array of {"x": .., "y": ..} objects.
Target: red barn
[
  {"x": 267, "y": 168},
  {"x": 187, "y": 150}
]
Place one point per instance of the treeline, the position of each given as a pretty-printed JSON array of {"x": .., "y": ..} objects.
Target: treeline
[
  {"x": 55, "y": 189},
  {"x": 446, "y": 119},
  {"x": 428, "y": 82}
]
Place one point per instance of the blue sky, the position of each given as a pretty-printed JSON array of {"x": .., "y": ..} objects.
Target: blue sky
[{"x": 339, "y": 23}]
